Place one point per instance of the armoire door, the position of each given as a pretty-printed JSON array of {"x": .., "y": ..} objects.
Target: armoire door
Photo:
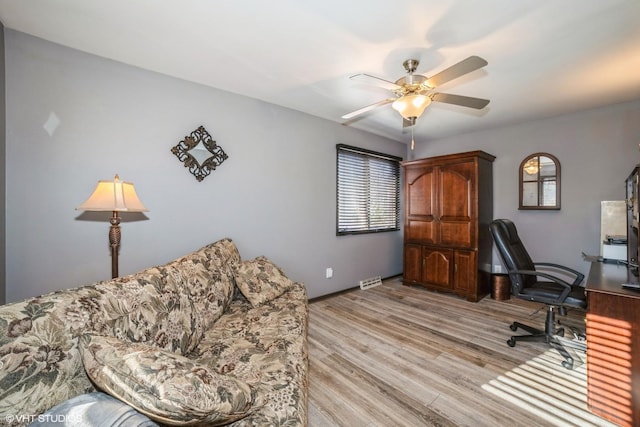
[
  {"x": 421, "y": 205},
  {"x": 412, "y": 271},
  {"x": 457, "y": 204},
  {"x": 464, "y": 271},
  {"x": 437, "y": 266}
]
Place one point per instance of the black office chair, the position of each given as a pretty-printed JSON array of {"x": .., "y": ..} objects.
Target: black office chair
[{"x": 530, "y": 284}]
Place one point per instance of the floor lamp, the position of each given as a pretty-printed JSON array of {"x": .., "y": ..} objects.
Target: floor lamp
[{"x": 114, "y": 196}]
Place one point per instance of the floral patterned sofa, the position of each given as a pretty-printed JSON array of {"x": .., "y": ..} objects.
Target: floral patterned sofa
[{"x": 207, "y": 339}]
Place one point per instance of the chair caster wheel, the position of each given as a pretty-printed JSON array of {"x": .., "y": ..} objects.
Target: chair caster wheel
[
  {"x": 512, "y": 343},
  {"x": 567, "y": 365},
  {"x": 513, "y": 327}
]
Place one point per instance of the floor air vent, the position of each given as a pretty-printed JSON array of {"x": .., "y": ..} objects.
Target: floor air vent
[{"x": 371, "y": 282}]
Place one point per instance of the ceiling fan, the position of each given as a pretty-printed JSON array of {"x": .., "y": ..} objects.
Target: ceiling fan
[{"x": 414, "y": 92}]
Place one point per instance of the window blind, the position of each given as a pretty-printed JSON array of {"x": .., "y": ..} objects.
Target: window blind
[{"x": 368, "y": 191}]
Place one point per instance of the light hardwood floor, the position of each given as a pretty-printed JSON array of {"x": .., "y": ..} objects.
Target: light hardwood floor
[{"x": 397, "y": 355}]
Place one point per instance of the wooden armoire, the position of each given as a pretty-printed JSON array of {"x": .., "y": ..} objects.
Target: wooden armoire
[{"x": 448, "y": 205}]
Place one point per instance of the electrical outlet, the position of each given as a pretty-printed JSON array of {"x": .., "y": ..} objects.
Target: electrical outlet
[
  {"x": 329, "y": 273},
  {"x": 497, "y": 269}
]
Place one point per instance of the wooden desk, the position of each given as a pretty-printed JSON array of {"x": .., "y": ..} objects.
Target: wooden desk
[{"x": 613, "y": 344}]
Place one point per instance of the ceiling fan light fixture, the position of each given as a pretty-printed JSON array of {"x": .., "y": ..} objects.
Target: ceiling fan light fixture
[
  {"x": 532, "y": 167},
  {"x": 411, "y": 105}
]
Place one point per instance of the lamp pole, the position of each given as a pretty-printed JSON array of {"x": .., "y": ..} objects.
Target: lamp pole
[{"x": 114, "y": 242}]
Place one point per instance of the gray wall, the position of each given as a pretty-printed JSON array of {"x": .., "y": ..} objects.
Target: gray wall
[
  {"x": 597, "y": 150},
  {"x": 275, "y": 195}
]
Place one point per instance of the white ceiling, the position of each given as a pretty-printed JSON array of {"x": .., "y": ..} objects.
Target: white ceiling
[{"x": 545, "y": 57}]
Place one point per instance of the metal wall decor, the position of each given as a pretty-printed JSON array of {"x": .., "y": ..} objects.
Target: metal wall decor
[{"x": 199, "y": 153}]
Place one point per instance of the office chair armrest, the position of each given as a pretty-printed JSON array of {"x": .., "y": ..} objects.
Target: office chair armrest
[
  {"x": 565, "y": 285},
  {"x": 579, "y": 276}
]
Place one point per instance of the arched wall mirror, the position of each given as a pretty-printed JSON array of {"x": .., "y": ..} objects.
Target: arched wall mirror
[{"x": 540, "y": 182}]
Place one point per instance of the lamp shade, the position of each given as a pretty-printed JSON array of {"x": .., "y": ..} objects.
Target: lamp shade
[
  {"x": 116, "y": 196},
  {"x": 411, "y": 105}
]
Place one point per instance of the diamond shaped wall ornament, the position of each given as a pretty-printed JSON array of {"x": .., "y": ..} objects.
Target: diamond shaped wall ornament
[{"x": 199, "y": 153}]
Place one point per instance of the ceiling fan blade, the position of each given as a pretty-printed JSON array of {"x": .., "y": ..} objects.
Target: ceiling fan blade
[
  {"x": 463, "y": 67},
  {"x": 464, "y": 101},
  {"x": 368, "y": 108},
  {"x": 377, "y": 81}
]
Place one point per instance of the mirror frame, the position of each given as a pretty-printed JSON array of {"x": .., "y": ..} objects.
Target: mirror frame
[
  {"x": 199, "y": 137},
  {"x": 539, "y": 181}
]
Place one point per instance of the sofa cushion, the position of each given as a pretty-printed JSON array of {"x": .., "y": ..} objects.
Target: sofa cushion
[
  {"x": 260, "y": 280},
  {"x": 266, "y": 347},
  {"x": 222, "y": 252},
  {"x": 166, "y": 387},
  {"x": 168, "y": 306},
  {"x": 207, "y": 276},
  {"x": 39, "y": 361},
  {"x": 144, "y": 308},
  {"x": 92, "y": 409}
]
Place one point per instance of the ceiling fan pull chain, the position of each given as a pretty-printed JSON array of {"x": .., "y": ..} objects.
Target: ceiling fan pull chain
[{"x": 413, "y": 144}]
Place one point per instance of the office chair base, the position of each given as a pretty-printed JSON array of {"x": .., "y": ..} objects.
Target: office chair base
[{"x": 551, "y": 335}]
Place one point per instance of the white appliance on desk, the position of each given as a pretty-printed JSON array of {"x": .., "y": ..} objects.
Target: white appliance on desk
[{"x": 613, "y": 229}]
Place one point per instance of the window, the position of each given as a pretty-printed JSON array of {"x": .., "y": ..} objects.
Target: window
[{"x": 368, "y": 191}]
